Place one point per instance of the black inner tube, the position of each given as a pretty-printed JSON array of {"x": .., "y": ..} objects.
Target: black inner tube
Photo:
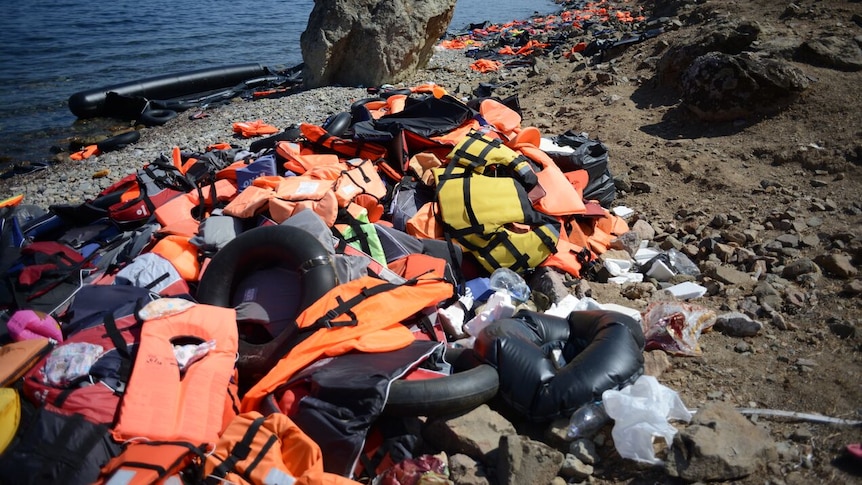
[{"x": 265, "y": 247}]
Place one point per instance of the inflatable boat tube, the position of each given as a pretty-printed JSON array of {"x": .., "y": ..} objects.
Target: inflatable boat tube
[
  {"x": 264, "y": 248},
  {"x": 336, "y": 125},
  {"x": 601, "y": 350},
  {"x": 119, "y": 141},
  {"x": 156, "y": 117},
  {"x": 471, "y": 384},
  {"x": 90, "y": 103}
]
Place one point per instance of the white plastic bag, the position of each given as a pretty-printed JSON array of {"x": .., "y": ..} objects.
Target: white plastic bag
[{"x": 640, "y": 413}]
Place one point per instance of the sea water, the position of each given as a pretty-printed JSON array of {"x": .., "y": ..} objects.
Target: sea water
[{"x": 52, "y": 49}]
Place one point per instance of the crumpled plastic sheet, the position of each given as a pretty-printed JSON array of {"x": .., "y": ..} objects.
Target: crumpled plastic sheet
[
  {"x": 641, "y": 412},
  {"x": 676, "y": 327}
]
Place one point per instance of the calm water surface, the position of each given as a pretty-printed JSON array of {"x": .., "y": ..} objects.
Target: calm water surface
[{"x": 52, "y": 49}]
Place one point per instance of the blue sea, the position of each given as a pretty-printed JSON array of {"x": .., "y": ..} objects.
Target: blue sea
[{"x": 55, "y": 48}]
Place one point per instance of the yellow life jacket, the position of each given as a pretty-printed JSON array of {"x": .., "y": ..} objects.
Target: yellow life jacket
[{"x": 492, "y": 217}]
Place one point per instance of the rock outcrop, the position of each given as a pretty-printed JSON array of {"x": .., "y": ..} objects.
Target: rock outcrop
[{"x": 370, "y": 42}]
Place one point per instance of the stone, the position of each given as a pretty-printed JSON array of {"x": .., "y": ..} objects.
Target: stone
[
  {"x": 735, "y": 324},
  {"x": 724, "y": 35},
  {"x": 834, "y": 52},
  {"x": 466, "y": 471},
  {"x": 575, "y": 469},
  {"x": 370, "y": 42},
  {"x": 798, "y": 268},
  {"x": 643, "y": 229},
  {"x": 838, "y": 265},
  {"x": 725, "y": 87},
  {"x": 656, "y": 362},
  {"x": 719, "y": 444},
  {"x": 476, "y": 433},
  {"x": 550, "y": 282},
  {"x": 584, "y": 450},
  {"x": 521, "y": 460},
  {"x": 731, "y": 276}
]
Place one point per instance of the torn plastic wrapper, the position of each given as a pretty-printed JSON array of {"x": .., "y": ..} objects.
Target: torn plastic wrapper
[{"x": 676, "y": 327}]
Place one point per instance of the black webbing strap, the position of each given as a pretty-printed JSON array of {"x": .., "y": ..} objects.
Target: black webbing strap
[
  {"x": 163, "y": 469},
  {"x": 345, "y": 307},
  {"x": 240, "y": 451}
]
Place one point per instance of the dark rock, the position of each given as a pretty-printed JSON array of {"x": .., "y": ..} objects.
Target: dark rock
[
  {"x": 727, "y": 36},
  {"x": 798, "y": 268},
  {"x": 737, "y": 324},
  {"x": 832, "y": 52},
  {"x": 724, "y": 87},
  {"x": 370, "y": 42}
]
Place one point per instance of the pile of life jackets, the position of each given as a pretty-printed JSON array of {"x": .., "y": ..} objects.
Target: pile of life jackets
[{"x": 119, "y": 373}]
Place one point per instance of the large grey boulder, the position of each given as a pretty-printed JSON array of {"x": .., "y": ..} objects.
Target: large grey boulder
[
  {"x": 370, "y": 42},
  {"x": 723, "y": 87}
]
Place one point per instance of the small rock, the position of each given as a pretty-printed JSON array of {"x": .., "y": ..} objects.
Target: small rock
[
  {"x": 838, "y": 265},
  {"x": 656, "y": 362},
  {"x": 644, "y": 230},
  {"x": 575, "y": 469},
  {"x": 843, "y": 329},
  {"x": 799, "y": 267},
  {"x": 585, "y": 451},
  {"x": 737, "y": 324}
]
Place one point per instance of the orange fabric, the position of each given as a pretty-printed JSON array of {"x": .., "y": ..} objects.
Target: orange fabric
[
  {"x": 159, "y": 402},
  {"x": 569, "y": 257},
  {"x": 294, "y": 453},
  {"x": 181, "y": 253},
  {"x": 579, "y": 180},
  {"x": 250, "y": 202},
  {"x": 361, "y": 178},
  {"x": 86, "y": 152},
  {"x": 455, "y": 136},
  {"x": 424, "y": 223},
  {"x": 12, "y": 201},
  {"x": 249, "y": 129},
  {"x": 379, "y": 327},
  {"x": 486, "y": 65},
  {"x": 560, "y": 197},
  {"x": 179, "y": 209},
  {"x": 297, "y": 193},
  {"x": 504, "y": 119},
  {"x": 416, "y": 264},
  {"x": 343, "y": 147}
]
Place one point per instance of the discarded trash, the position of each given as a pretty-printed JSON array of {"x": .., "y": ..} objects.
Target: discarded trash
[
  {"x": 641, "y": 413},
  {"x": 499, "y": 306},
  {"x": 504, "y": 279},
  {"x": 587, "y": 420},
  {"x": 672, "y": 262},
  {"x": 676, "y": 327},
  {"x": 686, "y": 290},
  {"x": 814, "y": 418}
]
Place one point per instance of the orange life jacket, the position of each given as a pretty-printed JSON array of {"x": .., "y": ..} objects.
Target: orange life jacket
[
  {"x": 294, "y": 194},
  {"x": 176, "y": 216},
  {"x": 364, "y": 314},
  {"x": 560, "y": 198},
  {"x": 256, "y": 450},
  {"x": 318, "y": 135},
  {"x": 161, "y": 402}
]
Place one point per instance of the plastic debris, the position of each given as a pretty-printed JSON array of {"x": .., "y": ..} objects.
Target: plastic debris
[
  {"x": 641, "y": 413},
  {"x": 675, "y": 327}
]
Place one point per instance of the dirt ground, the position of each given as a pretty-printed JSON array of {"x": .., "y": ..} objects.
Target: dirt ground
[{"x": 696, "y": 170}]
